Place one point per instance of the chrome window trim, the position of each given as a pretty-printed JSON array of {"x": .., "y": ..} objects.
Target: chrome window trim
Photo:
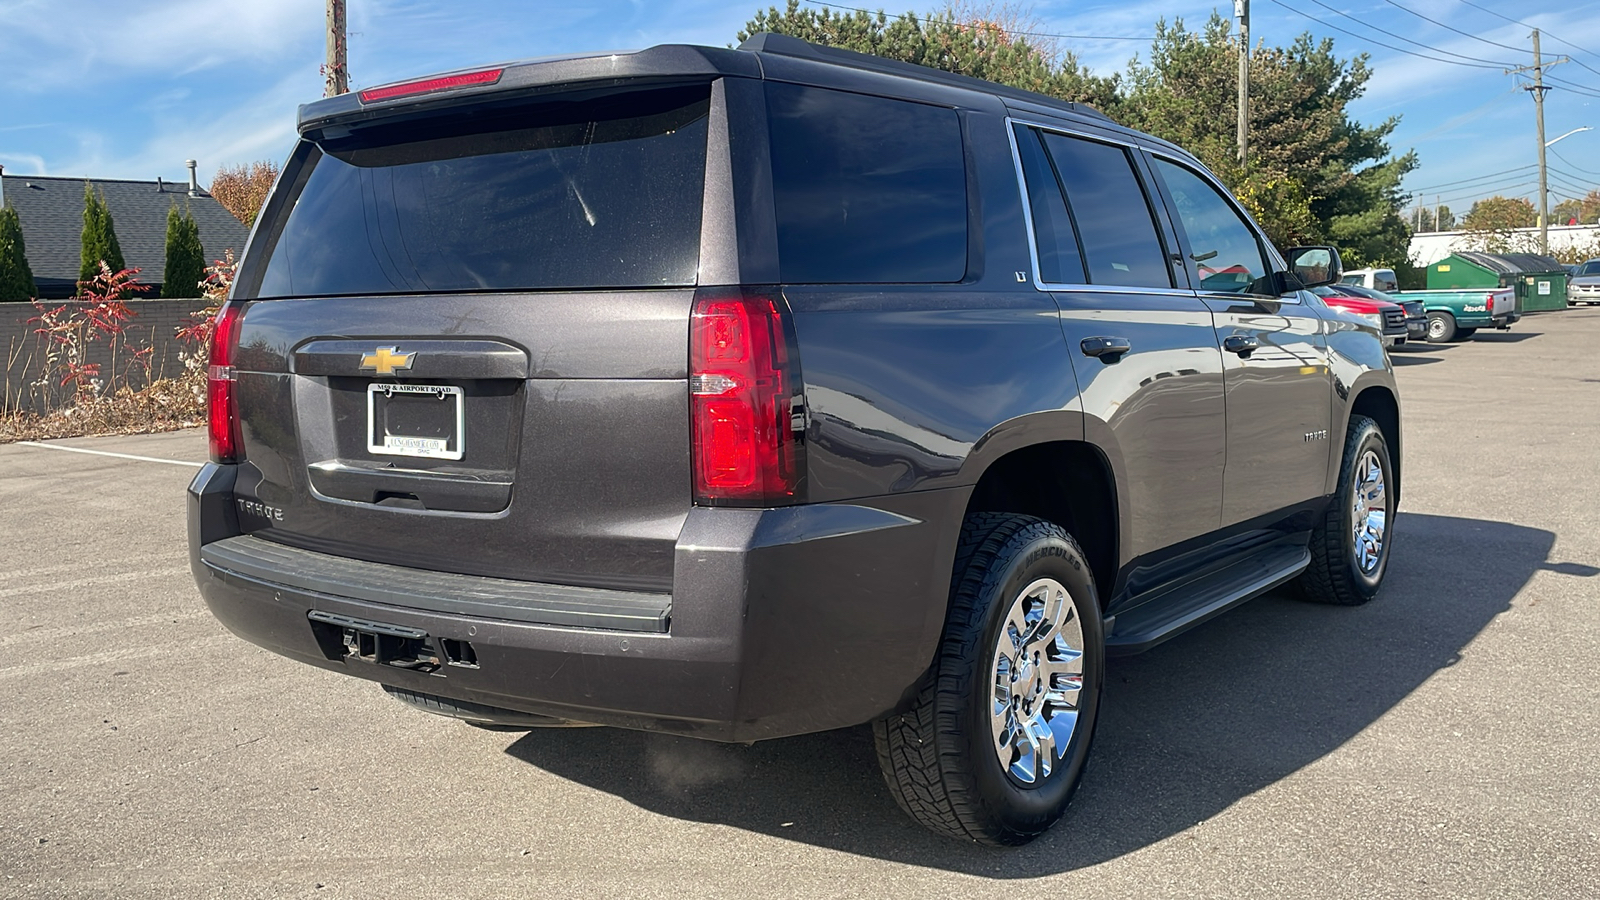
[{"x": 1033, "y": 236}]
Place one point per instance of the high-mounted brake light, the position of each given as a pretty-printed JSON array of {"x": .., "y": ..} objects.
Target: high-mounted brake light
[
  {"x": 222, "y": 415},
  {"x": 741, "y": 399},
  {"x": 430, "y": 85}
]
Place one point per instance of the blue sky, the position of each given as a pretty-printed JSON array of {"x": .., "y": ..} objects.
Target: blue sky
[{"x": 132, "y": 88}]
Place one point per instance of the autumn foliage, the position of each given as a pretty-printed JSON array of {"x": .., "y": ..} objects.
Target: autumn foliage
[{"x": 242, "y": 189}]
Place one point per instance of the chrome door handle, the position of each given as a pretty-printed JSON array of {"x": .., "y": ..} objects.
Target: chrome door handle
[
  {"x": 1105, "y": 349},
  {"x": 1242, "y": 344}
]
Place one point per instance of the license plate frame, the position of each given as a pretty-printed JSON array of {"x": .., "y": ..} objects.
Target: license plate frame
[{"x": 383, "y": 441}]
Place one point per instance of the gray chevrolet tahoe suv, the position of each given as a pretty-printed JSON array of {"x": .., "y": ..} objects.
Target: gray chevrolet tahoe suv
[{"x": 749, "y": 393}]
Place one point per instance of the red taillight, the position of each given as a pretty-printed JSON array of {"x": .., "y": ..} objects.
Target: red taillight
[
  {"x": 429, "y": 85},
  {"x": 741, "y": 398},
  {"x": 221, "y": 414}
]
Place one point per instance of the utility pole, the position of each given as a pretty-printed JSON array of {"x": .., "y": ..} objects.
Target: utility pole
[
  {"x": 336, "y": 71},
  {"x": 1436, "y": 207},
  {"x": 1538, "y": 90},
  {"x": 1241, "y": 11}
]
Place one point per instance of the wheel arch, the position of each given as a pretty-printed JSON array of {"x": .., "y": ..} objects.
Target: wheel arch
[
  {"x": 1379, "y": 403},
  {"x": 1070, "y": 482}
]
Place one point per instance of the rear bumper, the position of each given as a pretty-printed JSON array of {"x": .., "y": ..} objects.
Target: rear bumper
[{"x": 780, "y": 622}]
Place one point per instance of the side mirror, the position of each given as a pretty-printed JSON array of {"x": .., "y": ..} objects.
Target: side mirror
[{"x": 1315, "y": 266}]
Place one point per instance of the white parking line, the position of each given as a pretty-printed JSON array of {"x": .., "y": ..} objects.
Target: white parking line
[{"x": 170, "y": 462}]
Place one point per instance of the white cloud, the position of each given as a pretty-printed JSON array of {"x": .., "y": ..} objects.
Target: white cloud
[
  {"x": 172, "y": 37},
  {"x": 261, "y": 126}
]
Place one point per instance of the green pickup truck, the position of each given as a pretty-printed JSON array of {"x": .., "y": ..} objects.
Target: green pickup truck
[{"x": 1454, "y": 315}]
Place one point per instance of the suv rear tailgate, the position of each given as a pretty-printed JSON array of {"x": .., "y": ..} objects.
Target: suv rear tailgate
[
  {"x": 577, "y": 473},
  {"x": 465, "y": 345}
]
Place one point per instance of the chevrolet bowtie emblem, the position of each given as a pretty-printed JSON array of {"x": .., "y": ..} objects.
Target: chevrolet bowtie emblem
[{"x": 385, "y": 360}]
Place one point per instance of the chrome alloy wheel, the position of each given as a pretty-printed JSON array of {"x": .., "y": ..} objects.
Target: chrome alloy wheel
[
  {"x": 1436, "y": 329},
  {"x": 1038, "y": 676},
  {"x": 1368, "y": 513}
]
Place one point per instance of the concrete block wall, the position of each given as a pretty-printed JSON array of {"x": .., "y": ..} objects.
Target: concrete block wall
[{"x": 154, "y": 324}]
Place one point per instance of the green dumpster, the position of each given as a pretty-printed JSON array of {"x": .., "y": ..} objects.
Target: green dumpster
[{"x": 1539, "y": 281}]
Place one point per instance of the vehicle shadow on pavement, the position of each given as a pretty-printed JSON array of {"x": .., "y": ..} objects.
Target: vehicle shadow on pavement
[
  {"x": 1506, "y": 337},
  {"x": 1414, "y": 360},
  {"x": 1187, "y": 729}
]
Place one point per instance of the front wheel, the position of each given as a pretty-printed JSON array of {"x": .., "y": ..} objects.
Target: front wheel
[
  {"x": 1441, "y": 327},
  {"x": 994, "y": 744},
  {"x": 1350, "y": 547}
]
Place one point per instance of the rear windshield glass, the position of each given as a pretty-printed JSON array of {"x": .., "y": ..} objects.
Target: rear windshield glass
[
  {"x": 866, "y": 189},
  {"x": 589, "y": 193}
]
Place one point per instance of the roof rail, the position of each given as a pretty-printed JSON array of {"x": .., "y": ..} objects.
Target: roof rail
[{"x": 784, "y": 45}]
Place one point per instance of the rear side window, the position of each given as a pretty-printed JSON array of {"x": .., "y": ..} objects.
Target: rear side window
[
  {"x": 1055, "y": 238},
  {"x": 596, "y": 193},
  {"x": 866, "y": 189},
  {"x": 1115, "y": 223}
]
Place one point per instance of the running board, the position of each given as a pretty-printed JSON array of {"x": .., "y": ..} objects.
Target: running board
[{"x": 1177, "y": 609}]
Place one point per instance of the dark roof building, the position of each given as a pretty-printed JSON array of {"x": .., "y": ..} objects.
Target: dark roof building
[{"x": 51, "y": 210}]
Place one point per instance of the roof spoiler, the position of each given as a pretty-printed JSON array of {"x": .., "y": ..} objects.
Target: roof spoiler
[{"x": 784, "y": 45}]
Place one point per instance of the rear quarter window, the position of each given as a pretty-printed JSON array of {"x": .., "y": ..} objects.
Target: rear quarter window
[
  {"x": 1115, "y": 222},
  {"x": 603, "y": 192},
  {"x": 866, "y": 189}
]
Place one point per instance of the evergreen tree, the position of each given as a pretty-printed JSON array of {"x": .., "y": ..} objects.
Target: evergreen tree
[
  {"x": 16, "y": 278},
  {"x": 186, "y": 259},
  {"x": 963, "y": 38},
  {"x": 1315, "y": 174},
  {"x": 99, "y": 236}
]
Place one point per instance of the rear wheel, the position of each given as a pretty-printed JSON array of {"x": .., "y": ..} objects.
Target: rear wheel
[
  {"x": 1441, "y": 327},
  {"x": 1350, "y": 548},
  {"x": 995, "y": 742}
]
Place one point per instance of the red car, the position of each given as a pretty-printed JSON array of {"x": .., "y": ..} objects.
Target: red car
[{"x": 1389, "y": 318}]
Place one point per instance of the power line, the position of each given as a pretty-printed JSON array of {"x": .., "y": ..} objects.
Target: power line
[
  {"x": 1460, "y": 60},
  {"x": 1369, "y": 40},
  {"x": 1526, "y": 25},
  {"x": 1402, "y": 37},
  {"x": 1570, "y": 182},
  {"x": 1073, "y": 37},
  {"x": 1476, "y": 178},
  {"x": 1575, "y": 88},
  {"x": 1487, "y": 191},
  {"x": 1571, "y": 163},
  {"x": 1453, "y": 28}
]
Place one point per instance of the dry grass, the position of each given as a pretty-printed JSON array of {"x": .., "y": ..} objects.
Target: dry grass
[{"x": 165, "y": 405}]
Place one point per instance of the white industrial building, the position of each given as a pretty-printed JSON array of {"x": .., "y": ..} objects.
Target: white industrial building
[{"x": 1429, "y": 247}]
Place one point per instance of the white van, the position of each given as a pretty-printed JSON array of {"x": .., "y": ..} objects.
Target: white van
[{"x": 1376, "y": 279}]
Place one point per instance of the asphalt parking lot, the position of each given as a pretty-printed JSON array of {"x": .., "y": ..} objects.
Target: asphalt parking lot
[{"x": 1443, "y": 741}]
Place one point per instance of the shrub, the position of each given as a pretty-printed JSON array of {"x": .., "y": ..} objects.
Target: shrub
[
  {"x": 100, "y": 246},
  {"x": 16, "y": 277},
  {"x": 242, "y": 189},
  {"x": 186, "y": 259}
]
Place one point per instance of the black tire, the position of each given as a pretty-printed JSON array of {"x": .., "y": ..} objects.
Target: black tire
[
  {"x": 1464, "y": 333},
  {"x": 1441, "y": 328},
  {"x": 939, "y": 757},
  {"x": 1335, "y": 576}
]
